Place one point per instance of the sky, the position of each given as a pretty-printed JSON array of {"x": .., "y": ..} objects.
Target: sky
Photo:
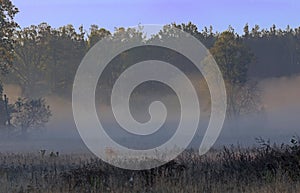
[{"x": 125, "y": 13}]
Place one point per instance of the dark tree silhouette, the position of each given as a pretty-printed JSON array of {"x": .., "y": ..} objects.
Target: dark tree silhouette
[{"x": 30, "y": 114}]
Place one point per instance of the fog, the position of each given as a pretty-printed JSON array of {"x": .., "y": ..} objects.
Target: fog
[{"x": 278, "y": 121}]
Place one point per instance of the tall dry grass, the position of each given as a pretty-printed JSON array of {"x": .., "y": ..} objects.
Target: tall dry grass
[{"x": 265, "y": 168}]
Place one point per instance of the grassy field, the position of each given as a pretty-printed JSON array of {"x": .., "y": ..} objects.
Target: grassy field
[{"x": 265, "y": 168}]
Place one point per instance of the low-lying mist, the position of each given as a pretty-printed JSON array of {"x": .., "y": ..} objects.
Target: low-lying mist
[{"x": 278, "y": 121}]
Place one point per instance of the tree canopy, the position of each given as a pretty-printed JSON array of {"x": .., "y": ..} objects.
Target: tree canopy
[
  {"x": 7, "y": 29},
  {"x": 232, "y": 56}
]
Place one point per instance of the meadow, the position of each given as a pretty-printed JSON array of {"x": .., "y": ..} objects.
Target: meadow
[{"x": 264, "y": 168}]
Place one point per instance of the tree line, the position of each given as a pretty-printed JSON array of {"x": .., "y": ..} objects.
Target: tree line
[
  {"x": 43, "y": 60},
  {"x": 46, "y": 58}
]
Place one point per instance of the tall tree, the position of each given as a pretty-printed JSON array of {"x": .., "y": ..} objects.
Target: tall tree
[
  {"x": 66, "y": 50},
  {"x": 246, "y": 31},
  {"x": 7, "y": 29},
  {"x": 255, "y": 31},
  {"x": 96, "y": 34},
  {"x": 233, "y": 58},
  {"x": 31, "y": 55}
]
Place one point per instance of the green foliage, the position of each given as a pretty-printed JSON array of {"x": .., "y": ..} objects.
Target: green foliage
[
  {"x": 232, "y": 56},
  {"x": 30, "y": 114},
  {"x": 96, "y": 35},
  {"x": 31, "y": 54},
  {"x": 47, "y": 59},
  {"x": 66, "y": 50},
  {"x": 206, "y": 36},
  {"x": 7, "y": 28},
  {"x": 246, "y": 31}
]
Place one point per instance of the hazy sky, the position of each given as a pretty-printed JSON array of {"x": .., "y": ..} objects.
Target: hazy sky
[{"x": 117, "y": 13}]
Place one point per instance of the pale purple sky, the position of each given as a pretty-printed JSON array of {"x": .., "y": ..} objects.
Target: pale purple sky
[{"x": 117, "y": 13}]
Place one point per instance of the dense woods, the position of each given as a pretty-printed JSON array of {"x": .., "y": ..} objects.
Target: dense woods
[
  {"x": 42, "y": 60},
  {"x": 46, "y": 58}
]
